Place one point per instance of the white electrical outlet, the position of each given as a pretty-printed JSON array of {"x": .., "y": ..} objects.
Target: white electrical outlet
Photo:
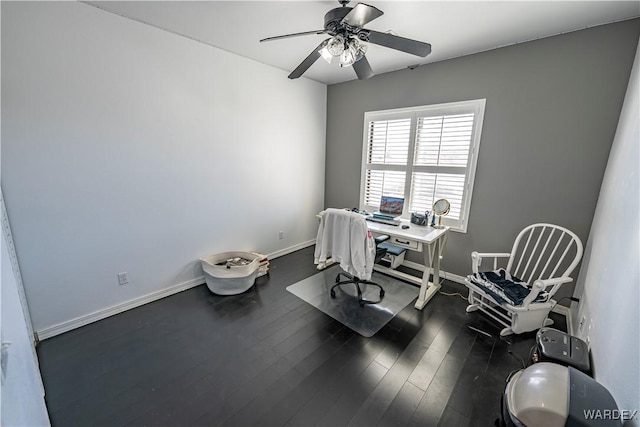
[
  {"x": 281, "y": 235},
  {"x": 123, "y": 278}
]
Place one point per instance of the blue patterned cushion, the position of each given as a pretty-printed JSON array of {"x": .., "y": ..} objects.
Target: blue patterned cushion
[{"x": 504, "y": 288}]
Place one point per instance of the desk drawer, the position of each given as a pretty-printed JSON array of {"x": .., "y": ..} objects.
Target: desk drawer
[{"x": 403, "y": 242}]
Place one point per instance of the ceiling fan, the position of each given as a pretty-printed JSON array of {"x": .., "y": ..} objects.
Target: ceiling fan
[{"x": 345, "y": 25}]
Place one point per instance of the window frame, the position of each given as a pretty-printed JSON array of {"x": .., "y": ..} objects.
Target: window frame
[{"x": 475, "y": 106}]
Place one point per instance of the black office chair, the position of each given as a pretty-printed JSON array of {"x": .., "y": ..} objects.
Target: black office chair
[{"x": 349, "y": 278}]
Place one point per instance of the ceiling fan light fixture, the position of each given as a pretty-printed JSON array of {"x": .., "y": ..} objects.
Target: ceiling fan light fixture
[
  {"x": 358, "y": 49},
  {"x": 347, "y": 58},
  {"x": 326, "y": 55},
  {"x": 353, "y": 53},
  {"x": 345, "y": 25},
  {"x": 335, "y": 46}
]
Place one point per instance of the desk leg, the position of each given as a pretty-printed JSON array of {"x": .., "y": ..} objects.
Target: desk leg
[{"x": 431, "y": 262}]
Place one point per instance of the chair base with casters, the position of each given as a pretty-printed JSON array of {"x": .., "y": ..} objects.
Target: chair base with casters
[
  {"x": 543, "y": 255},
  {"x": 351, "y": 279},
  {"x": 357, "y": 282}
]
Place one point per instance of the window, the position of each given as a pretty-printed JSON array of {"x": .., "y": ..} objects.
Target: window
[{"x": 423, "y": 154}]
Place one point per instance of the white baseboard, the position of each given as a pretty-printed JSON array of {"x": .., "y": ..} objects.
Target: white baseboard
[
  {"x": 443, "y": 274},
  {"x": 453, "y": 277},
  {"x": 69, "y": 325},
  {"x": 291, "y": 249},
  {"x": 63, "y": 327}
]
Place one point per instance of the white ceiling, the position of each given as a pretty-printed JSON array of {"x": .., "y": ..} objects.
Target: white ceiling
[{"x": 453, "y": 28}]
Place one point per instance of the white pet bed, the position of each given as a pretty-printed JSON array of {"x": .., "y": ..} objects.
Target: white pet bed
[{"x": 230, "y": 279}]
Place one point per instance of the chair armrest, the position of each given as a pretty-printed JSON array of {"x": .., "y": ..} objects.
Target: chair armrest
[
  {"x": 540, "y": 285},
  {"x": 381, "y": 239},
  {"x": 476, "y": 259}
]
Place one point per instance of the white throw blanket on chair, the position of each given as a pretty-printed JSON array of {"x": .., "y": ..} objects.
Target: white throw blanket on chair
[{"x": 344, "y": 237}]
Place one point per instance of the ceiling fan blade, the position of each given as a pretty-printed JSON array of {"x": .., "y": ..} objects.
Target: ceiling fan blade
[
  {"x": 308, "y": 61},
  {"x": 363, "y": 69},
  {"x": 413, "y": 47},
  {"x": 306, "y": 33},
  {"x": 361, "y": 14}
]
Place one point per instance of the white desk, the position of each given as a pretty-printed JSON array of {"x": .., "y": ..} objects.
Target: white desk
[{"x": 415, "y": 238}]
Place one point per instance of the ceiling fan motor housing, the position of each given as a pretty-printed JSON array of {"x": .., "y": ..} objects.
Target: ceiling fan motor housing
[
  {"x": 345, "y": 25},
  {"x": 333, "y": 19}
]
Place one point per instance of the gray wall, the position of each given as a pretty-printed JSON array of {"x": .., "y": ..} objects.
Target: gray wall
[{"x": 551, "y": 114}]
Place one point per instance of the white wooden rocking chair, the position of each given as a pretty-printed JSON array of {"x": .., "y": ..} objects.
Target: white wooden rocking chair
[{"x": 519, "y": 296}]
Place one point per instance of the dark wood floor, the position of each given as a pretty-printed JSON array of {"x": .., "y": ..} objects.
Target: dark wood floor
[{"x": 267, "y": 358}]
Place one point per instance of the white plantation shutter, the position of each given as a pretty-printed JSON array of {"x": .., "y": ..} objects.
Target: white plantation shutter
[
  {"x": 423, "y": 154},
  {"x": 379, "y": 182},
  {"x": 389, "y": 142},
  {"x": 429, "y": 187},
  {"x": 443, "y": 140},
  {"x": 424, "y": 186}
]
